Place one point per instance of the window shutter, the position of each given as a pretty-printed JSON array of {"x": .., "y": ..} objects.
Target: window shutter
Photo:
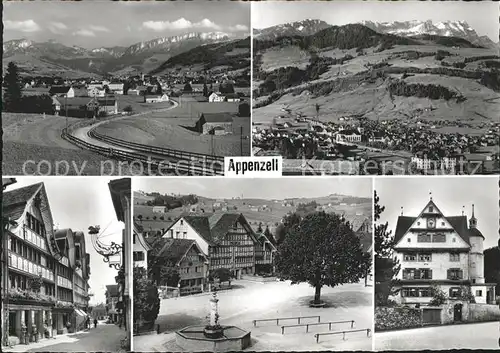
[
  {"x": 430, "y": 274},
  {"x": 460, "y": 274},
  {"x": 417, "y": 274},
  {"x": 451, "y": 292},
  {"x": 448, "y": 275}
]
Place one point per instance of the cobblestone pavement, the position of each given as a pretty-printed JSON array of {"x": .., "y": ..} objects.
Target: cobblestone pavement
[
  {"x": 106, "y": 337},
  {"x": 465, "y": 336}
]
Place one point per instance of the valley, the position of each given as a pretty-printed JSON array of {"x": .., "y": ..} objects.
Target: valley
[{"x": 308, "y": 89}]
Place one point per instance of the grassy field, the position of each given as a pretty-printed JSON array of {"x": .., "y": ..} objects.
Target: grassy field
[
  {"x": 275, "y": 58},
  {"x": 30, "y": 159},
  {"x": 166, "y": 129},
  {"x": 138, "y": 105}
]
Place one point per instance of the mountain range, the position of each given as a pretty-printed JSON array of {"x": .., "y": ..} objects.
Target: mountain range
[
  {"x": 140, "y": 57},
  {"x": 459, "y": 29},
  {"x": 299, "y": 28}
]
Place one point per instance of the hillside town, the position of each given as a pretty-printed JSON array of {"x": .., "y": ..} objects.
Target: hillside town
[
  {"x": 421, "y": 145},
  {"x": 52, "y": 274}
]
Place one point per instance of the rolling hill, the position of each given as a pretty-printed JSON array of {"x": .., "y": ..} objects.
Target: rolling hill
[{"x": 354, "y": 70}]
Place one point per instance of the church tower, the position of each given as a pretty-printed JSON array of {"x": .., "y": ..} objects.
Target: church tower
[{"x": 476, "y": 257}]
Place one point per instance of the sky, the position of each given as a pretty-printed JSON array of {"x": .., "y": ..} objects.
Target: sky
[
  {"x": 449, "y": 195},
  {"x": 94, "y": 24},
  {"x": 279, "y": 188},
  {"x": 481, "y": 16},
  {"x": 78, "y": 203}
]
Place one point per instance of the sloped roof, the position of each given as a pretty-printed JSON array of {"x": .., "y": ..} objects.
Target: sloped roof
[
  {"x": 221, "y": 227},
  {"x": 174, "y": 250},
  {"x": 112, "y": 290},
  {"x": 201, "y": 225},
  {"x": 59, "y": 89},
  {"x": 14, "y": 201},
  {"x": 459, "y": 223},
  {"x": 212, "y": 227}
]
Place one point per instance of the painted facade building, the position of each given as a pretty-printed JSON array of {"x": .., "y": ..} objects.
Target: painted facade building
[
  {"x": 47, "y": 269},
  {"x": 183, "y": 255},
  {"x": 226, "y": 239},
  {"x": 442, "y": 251}
]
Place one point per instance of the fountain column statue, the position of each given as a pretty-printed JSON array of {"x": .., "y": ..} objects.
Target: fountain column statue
[{"x": 214, "y": 310}]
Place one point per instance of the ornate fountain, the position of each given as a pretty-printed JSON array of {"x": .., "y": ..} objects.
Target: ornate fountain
[{"x": 213, "y": 337}]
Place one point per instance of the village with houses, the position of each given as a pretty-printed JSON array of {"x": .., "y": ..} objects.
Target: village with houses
[
  {"x": 192, "y": 246},
  {"x": 397, "y": 146},
  {"x": 172, "y": 98}
]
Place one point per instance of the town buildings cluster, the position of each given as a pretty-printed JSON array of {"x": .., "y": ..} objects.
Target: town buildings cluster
[
  {"x": 351, "y": 139},
  {"x": 198, "y": 244},
  {"x": 45, "y": 270}
]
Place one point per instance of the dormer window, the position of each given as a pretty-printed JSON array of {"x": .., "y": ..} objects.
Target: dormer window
[{"x": 431, "y": 208}]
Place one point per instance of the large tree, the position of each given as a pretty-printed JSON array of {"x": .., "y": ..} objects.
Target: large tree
[
  {"x": 321, "y": 250},
  {"x": 146, "y": 298},
  {"x": 386, "y": 267},
  {"x": 284, "y": 227},
  {"x": 13, "y": 90},
  {"x": 492, "y": 266}
]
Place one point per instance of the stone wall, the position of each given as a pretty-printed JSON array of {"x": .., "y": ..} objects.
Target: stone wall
[
  {"x": 448, "y": 312},
  {"x": 483, "y": 312}
]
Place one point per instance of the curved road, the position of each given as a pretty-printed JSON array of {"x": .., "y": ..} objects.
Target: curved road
[{"x": 83, "y": 132}]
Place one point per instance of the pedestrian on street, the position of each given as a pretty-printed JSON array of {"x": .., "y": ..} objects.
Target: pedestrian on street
[{"x": 95, "y": 322}]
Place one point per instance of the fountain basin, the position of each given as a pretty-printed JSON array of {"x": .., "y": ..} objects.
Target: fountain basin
[{"x": 193, "y": 338}]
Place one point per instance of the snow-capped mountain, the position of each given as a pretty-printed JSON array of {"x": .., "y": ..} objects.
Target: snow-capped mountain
[
  {"x": 460, "y": 29},
  {"x": 300, "y": 28}
]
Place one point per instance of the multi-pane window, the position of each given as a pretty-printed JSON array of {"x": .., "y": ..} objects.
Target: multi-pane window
[
  {"x": 454, "y": 257},
  {"x": 455, "y": 274},
  {"x": 138, "y": 256},
  {"x": 416, "y": 292},
  {"x": 425, "y": 257},
  {"x": 439, "y": 238},
  {"x": 479, "y": 293},
  {"x": 424, "y": 238},
  {"x": 454, "y": 292},
  {"x": 417, "y": 273}
]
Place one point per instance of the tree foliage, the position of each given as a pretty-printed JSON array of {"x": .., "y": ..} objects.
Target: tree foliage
[
  {"x": 146, "y": 297},
  {"x": 321, "y": 250},
  {"x": 386, "y": 267},
  {"x": 285, "y": 226},
  {"x": 188, "y": 88},
  {"x": 439, "y": 297},
  {"x": 492, "y": 266},
  {"x": 13, "y": 90},
  {"x": 244, "y": 110},
  {"x": 222, "y": 274}
]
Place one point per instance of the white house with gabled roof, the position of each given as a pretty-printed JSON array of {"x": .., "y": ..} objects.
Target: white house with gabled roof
[{"x": 438, "y": 250}]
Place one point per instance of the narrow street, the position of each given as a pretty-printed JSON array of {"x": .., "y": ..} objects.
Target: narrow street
[{"x": 106, "y": 337}]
